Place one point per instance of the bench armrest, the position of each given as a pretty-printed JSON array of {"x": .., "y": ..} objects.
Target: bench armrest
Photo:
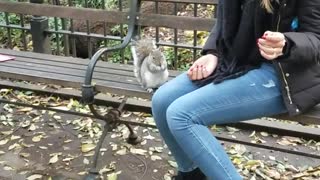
[{"x": 87, "y": 88}]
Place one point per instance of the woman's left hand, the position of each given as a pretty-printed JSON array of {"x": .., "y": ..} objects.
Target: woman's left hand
[{"x": 271, "y": 45}]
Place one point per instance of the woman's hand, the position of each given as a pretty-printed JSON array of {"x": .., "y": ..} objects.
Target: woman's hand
[
  {"x": 203, "y": 67},
  {"x": 271, "y": 45}
]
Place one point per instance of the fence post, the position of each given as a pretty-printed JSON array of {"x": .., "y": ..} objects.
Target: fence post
[{"x": 40, "y": 38}]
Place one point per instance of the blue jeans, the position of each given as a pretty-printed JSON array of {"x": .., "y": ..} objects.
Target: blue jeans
[{"x": 182, "y": 112}]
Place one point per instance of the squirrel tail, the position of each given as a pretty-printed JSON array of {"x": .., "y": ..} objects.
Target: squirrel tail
[
  {"x": 140, "y": 49},
  {"x": 136, "y": 61}
]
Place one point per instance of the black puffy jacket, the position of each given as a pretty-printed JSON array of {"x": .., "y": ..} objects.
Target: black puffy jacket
[{"x": 299, "y": 70}]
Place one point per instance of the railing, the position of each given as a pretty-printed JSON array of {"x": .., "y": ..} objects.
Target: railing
[{"x": 81, "y": 29}]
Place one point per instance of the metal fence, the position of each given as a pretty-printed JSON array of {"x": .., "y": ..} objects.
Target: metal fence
[{"x": 78, "y": 38}]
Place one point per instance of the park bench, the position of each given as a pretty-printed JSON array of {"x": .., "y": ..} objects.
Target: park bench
[{"x": 107, "y": 77}]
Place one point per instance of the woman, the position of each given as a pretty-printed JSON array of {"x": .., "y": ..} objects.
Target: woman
[{"x": 261, "y": 59}]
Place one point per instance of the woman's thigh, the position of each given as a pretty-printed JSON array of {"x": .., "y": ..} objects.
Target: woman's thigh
[{"x": 255, "y": 94}]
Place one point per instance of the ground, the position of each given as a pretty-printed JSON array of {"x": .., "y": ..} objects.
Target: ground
[{"x": 39, "y": 144}]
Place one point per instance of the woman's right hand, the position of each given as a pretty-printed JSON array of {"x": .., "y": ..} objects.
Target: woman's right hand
[{"x": 203, "y": 67}]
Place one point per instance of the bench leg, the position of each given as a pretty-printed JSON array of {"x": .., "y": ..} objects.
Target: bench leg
[
  {"x": 93, "y": 172},
  {"x": 111, "y": 122},
  {"x": 133, "y": 138}
]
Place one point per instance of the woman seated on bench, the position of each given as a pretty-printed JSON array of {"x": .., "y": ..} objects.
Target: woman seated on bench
[{"x": 261, "y": 59}]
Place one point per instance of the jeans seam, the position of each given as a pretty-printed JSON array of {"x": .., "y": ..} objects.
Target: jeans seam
[{"x": 192, "y": 167}]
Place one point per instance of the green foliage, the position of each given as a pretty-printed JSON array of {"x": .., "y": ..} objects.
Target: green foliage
[
  {"x": 12, "y": 18},
  {"x": 98, "y": 4},
  {"x": 116, "y": 30},
  {"x": 184, "y": 58},
  {"x": 15, "y": 35},
  {"x": 116, "y": 57}
]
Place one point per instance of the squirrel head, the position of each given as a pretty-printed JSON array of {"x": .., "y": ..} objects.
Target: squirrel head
[{"x": 158, "y": 57}]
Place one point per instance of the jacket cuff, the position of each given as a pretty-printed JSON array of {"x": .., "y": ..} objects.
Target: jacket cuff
[
  {"x": 286, "y": 49},
  {"x": 209, "y": 51}
]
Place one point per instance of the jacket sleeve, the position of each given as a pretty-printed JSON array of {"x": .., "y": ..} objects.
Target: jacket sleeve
[
  {"x": 305, "y": 44},
  {"x": 211, "y": 44}
]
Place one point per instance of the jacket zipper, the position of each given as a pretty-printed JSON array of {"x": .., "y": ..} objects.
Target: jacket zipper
[{"x": 281, "y": 69}]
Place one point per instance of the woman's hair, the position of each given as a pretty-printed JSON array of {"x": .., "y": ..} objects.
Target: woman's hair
[{"x": 267, "y": 5}]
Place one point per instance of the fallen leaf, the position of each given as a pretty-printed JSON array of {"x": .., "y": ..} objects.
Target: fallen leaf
[
  {"x": 82, "y": 173},
  {"x": 32, "y": 127},
  {"x": 6, "y": 132},
  {"x": 63, "y": 108},
  {"x": 105, "y": 170},
  {"x": 26, "y": 145},
  {"x": 26, "y": 109},
  {"x": 67, "y": 141},
  {"x": 54, "y": 159},
  {"x": 67, "y": 159},
  {"x": 86, "y": 161},
  {"x": 252, "y": 134},
  {"x": 103, "y": 150},
  {"x": 272, "y": 158},
  {"x": 113, "y": 176},
  {"x": 155, "y": 157},
  {"x": 167, "y": 176},
  {"x": 149, "y": 137},
  {"x": 24, "y": 155},
  {"x": 273, "y": 174},
  {"x": 43, "y": 147},
  {"x": 122, "y": 151},
  {"x": 232, "y": 129},
  {"x": 14, "y": 146},
  {"x": 138, "y": 151},
  {"x": 87, "y": 147},
  {"x": 3, "y": 142},
  {"x": 25, "y": 124},
  {"x": 13, "y": 137},
  {"x": 34, "y": 177},
  {"x": 37, "y": 138},
  {"x": 8, "y": 168},
  {"x": 173, "y": 164}
]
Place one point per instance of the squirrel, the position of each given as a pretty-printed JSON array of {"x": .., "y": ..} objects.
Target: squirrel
[{"x": 150, "y": 65}]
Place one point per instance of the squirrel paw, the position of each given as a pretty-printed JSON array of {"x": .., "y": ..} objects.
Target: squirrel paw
[{"x": 150, "y": 90}]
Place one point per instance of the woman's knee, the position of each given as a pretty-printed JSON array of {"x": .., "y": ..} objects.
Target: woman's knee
[
  {"x": 158, "y": 100},
  {"x": 177, "y": 116}
]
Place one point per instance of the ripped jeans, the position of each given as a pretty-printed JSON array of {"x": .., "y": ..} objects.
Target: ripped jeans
[{"x": 183, "y": 111}]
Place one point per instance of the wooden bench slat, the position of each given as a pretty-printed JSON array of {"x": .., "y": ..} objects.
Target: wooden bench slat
[
  {"x": 80, "y": 69},
  {"x": 107, "y": 83},
  {"x": 65, "y": 71},
  {"x": 75, "y": 82},
  {"x": 106, "y": 75},
  {"x": 76, "y": 67},
  {"x": 47, "y": 58},
  {"x": 62, "y": 59},
  {"x": 20, "y": 70}
]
